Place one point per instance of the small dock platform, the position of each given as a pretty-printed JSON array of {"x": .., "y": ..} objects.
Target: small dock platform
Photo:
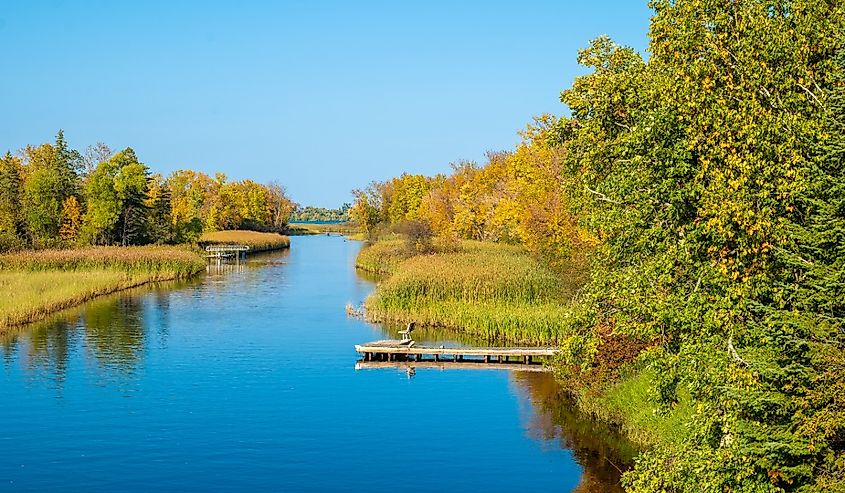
[
  {"x": 408, "y": 351},
  {"x": 222, "y": 252}
]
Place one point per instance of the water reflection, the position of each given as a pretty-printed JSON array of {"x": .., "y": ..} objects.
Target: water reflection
[
  {"x": 109, "y": 334},
  {"x": 115, "y": 333},
  {"x": 228, "y": 401},
  {"x": 602, "y": 452},
  {"x": 549, "y": 415}
]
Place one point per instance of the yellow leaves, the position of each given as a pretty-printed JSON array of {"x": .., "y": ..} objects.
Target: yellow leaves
[{"x": 71, "y": 221}]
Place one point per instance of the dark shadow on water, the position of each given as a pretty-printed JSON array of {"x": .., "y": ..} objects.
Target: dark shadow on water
[
  {"x": 600, "y": 450},
  {"x": 550, "y": 414}
]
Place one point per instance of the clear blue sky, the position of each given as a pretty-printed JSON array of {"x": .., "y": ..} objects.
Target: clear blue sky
[{"x": 322, "y": 96}]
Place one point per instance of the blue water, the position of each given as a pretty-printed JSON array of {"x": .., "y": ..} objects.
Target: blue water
[{"x": 244, "y": 381}]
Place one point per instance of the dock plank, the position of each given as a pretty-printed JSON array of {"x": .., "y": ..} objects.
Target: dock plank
[
  {"x": 396, "y": 347},
  {"x": 449, "y": 365}
]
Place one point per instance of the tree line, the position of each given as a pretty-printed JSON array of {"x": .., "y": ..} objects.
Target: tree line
[
  {"x": 310, "y": 214},
  {"x": 704, "y": 185},
  {"x": 54, "y": 196}
]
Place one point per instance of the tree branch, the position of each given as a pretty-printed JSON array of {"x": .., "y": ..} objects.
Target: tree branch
[
  {"x": 732, "y": 350},
  {"x": 811, "y": 94},
  {"x": 602, "y": 196}
]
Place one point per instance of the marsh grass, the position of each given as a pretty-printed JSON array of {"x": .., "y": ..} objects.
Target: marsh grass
[
  {"x": 178, "y": 262},
  {"x": 382, "y": 257},
  {"x": 35, "y": 284},
  {"x": 495, "y": 292},
  {"x": 322, "y": 228},
  {"x": 256, "y": 241}
]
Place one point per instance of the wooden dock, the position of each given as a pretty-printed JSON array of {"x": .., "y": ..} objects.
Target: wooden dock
[
  {"x": 223, "y": 252},
  {"x": 408, "y": 351},
  {"x": 449, "y": 365}
]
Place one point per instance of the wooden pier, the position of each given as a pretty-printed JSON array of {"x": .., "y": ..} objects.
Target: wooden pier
[
  {"x": 224, "y": 252},
  {"x": 389, "y": 351},
  {"x": 449, "y": 365}
]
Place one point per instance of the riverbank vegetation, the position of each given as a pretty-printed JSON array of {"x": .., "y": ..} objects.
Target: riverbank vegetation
[
  {"x": 54, "y": 196},
  {"x": 57, "y": 205},
  {"x": 304, "y": 229},
  {"x": 492, "y": 291},
  {"x": 35, "y": 284},
  {"x": 255, "y": 240},
  {"x": 703, "y": 190}
]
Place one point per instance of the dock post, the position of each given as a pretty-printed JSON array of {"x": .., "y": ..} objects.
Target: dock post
[{"x": 486, "y": 358}]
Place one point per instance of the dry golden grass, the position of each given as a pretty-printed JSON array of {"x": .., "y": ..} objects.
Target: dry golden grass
[
  {"x": 321, "y": 228},
  {"x": 179, "y": 261},
  {"x": 256, "y": 241},
  {"x": 382, "y": 257},
  {"x": 27, "y": 296},
  {"x": 34, "y": 284}
]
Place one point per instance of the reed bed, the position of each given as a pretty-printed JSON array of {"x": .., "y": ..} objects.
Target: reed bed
[
  {"x": 176, "y": 262},
  {"x": 492, "y": 322},
  {"x": 321, "y": 228},
  {"x": 495, "y": 292},
  {"x": 256, "y": 241},
  {"x": 35, "y": 284},
  {"x": 382, "y": 257},
  {"x": 29, "y": 296}
]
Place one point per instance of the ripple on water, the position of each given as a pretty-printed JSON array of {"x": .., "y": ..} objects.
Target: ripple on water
[{"x": 245, "y": 380}]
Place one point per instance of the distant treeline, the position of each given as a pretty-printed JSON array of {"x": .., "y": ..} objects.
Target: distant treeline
[
  {"x": 308, "y": 213},
  {"x": 706, "y": 187},
  {"x": 51, "y": 195}
]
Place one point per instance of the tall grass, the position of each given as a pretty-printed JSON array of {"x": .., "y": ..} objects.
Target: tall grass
[
  {"x": 321, "y": 228},
  {"x": 177, "y": 262},
  {"x": 256, "y": 241},
  {"x": 382, "y": 257},
  {"x": 496, "y": 292},
  {"x": 34, "y": 284}
]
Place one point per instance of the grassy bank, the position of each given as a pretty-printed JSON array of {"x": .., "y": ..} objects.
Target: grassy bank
[
  {"x": 496, "y": 292},
  {"x": 298, "y": 229},
  {"x": 256, "y": 241},
  {"x": 383, "y": 257},
  {"x": 501, "y": 293},
  {"x": 34, "y": 284},
  {"x": 630, "y": 406}
]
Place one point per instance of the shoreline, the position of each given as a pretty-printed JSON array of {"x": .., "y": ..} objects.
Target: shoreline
[
  {"x": 45, "y": 311},
  {"x": 36, "y": 284},
  {"x": 406, "y": 293}
]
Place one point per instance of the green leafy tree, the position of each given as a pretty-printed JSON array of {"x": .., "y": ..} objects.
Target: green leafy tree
[
  {"x": 115, "y": 193},
  {"x": 367, "y": 211}
]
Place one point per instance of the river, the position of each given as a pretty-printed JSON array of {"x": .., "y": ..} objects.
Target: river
[{"x": 245, "y": 380}]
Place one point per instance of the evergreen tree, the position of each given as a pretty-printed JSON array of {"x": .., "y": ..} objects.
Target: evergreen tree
[
  {"x": 159, "y": 224},
  {"x": 11, "y": 220},
  {"x": 51, "y": 178},
  {"x": 812, "y": 311}
]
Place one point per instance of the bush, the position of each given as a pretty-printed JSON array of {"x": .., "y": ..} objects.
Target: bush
[{"x": 418, "y": 236}]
